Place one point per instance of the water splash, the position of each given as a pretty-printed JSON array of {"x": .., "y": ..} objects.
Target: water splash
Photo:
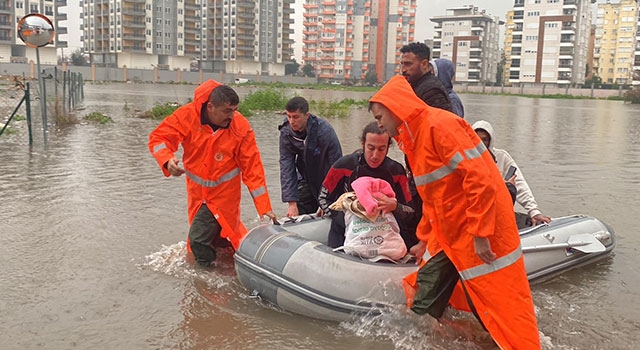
[{"x": 174, "y": 261}]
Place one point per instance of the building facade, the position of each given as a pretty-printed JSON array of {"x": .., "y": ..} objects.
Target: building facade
[
  {"x": 232, "y": 36},
  {"x": 470, "y": 38},
  {"x": 550, "y": 41},
  {"x": 508, "y": 41},
  {"x": 615, "y": 41},
  {"x": 12, "y": 49},
  {"x": 346, "y": 39}
]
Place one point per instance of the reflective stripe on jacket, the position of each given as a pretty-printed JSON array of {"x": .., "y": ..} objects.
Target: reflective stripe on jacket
[
  {"x": 214, "y": 162},
  {"x": 464, "y": 197}
]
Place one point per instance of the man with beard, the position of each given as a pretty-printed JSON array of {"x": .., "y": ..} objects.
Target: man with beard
[{"x": 219, "y": 150}]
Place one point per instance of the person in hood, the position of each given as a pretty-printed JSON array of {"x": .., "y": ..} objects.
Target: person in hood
[
  {"x": 218, "y": 151},
  {"x": 467, "y": 218},
  {"x": 308, "y": 148},
  {"x": 503, "y": 159},
  {"x": 445, "y": 71}
]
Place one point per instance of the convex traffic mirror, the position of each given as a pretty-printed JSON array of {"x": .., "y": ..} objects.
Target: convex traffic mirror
[{"x": 36, "y": 30}]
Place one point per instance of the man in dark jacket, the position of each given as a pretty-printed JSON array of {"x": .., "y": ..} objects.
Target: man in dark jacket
[
  {"x": 416, "y": 69},
  {"x": 371, "y": 161},
  {"x": 308, "y": 148},
  {"x": 414, "y": 63}
]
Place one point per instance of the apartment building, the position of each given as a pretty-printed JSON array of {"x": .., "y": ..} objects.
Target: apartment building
[
  {"x": 346, "y": 39},
  {"x": 231, "y": 36},
  {"x": 615, "y": 41},
  {"x": 550, "y": 41},
  {"x": 12, "y": 49},
  {"x": 636, "y": 60},
  {"x": 470, "y": 38},
  {"x": 508, "y": 41}
]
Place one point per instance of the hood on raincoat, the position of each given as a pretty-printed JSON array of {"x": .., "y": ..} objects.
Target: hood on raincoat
[
  {"x": 398, "y": 97},
  {"x": 484, "y": 125},
  {"x": 202, "y": 92},
  {"x": 444, "y": 70}
]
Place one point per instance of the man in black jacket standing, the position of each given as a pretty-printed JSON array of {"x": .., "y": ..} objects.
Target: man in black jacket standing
[{"x": 414, "y": 63}]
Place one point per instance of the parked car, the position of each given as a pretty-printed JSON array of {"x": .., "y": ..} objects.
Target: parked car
[{"x": 241, "y": 80}]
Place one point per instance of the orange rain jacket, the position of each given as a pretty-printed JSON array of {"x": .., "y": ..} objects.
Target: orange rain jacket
[
  {"x": 214, "y": 163},
  {"x": 464, "y": 197}
]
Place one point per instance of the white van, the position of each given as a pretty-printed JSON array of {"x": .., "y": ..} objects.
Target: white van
[{"x": 241, "y": 80}]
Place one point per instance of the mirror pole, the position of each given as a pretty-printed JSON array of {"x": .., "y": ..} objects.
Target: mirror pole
[{"x": 43, "y": 97}]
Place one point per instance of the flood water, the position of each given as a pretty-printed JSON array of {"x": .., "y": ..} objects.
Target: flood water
[{"x": 92, "y": 235}]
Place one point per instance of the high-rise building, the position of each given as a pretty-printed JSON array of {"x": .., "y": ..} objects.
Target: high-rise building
[
  {"x": 615, "y": 41},
  {"x": 636, "y": 59},
  {"x": 508, "y": 41},
  {"x": 470, "y": 38},
  {"x": 12, "y": 49},
  {"x": 233, "y": 36},
  {"x": 550, "y": 41},
  {"x": 346, "y": 39}
]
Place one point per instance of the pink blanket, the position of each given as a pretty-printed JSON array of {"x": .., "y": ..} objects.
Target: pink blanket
[{"x": 365, "y": 187}]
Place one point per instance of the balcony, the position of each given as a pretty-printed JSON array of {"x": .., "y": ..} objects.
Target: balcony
[
  {"x": 246, "y": 14},
  {"x": 133, "y": 24},
  {"x": 134, "y": 11}
]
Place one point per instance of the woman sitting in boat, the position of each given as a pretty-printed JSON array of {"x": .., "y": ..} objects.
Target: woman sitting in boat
[{"x": 371, "y": 161}]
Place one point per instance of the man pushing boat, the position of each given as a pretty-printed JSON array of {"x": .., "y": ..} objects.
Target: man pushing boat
[{"x": 467, "y": 225}]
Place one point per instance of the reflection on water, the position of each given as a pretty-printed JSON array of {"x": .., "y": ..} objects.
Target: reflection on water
[{"x": 92, "y": 235}]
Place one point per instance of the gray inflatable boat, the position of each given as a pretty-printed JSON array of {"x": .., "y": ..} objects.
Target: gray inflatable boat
[{"x": 290, "y": 266}]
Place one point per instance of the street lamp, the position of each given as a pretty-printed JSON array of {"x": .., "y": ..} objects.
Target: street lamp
[{"x": 36, "y": 31}]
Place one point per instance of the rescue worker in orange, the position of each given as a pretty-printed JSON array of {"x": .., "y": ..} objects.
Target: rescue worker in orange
[
  {"x": 219, "y": 150},
  {"x": 467, "y": 220}
]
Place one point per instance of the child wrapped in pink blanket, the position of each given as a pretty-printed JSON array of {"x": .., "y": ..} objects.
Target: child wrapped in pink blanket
[{"x": 366, "y": 187}]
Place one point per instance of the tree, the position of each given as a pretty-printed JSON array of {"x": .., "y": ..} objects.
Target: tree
[
  {"x": 371, "y": 78},
  {"x": 500, "y": 70},
  {"x": 77, "y": 58},
  {"x": 595, "y": 80},
  {"x": 291, "y": 68},
  {"x": 308, "y": 71}
]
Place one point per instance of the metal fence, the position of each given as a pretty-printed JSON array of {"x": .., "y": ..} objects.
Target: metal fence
[
  {"x": 61, "y": 93},
  {"x": 14, "y": 92}
]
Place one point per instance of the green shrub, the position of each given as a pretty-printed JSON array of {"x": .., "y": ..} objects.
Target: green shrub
[
  {"x": 263, "y": 100},
  {"x": 632, "y": 95},
  {"x": 335, "y": 109},
  {"x": 161, "y": 111},
  {"x": 98, "y": 117}
]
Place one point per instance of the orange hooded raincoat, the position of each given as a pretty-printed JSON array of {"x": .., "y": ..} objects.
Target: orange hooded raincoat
[
  {"x": 214, "y": 163},
  {"x": 464, "y": 197}
]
